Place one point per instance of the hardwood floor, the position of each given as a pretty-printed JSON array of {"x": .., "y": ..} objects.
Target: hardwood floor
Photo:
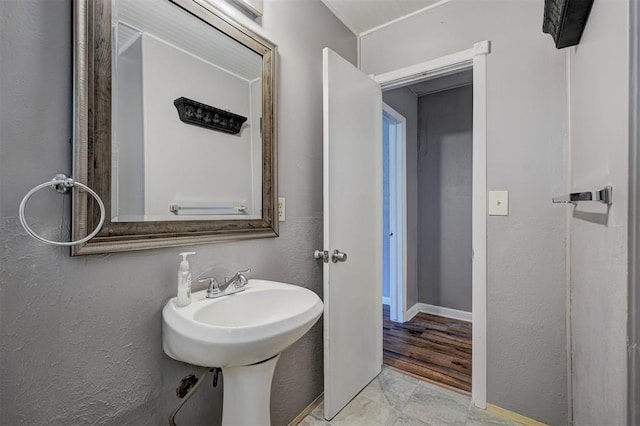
[{"x": 434, "y": 348}]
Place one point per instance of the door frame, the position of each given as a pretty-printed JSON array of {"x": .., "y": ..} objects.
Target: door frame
[
  {"x": 397, "y": 215},
  {"x": 474, "y": 58}
]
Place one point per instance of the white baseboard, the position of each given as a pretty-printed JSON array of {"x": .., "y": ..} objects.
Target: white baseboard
[
  {"x": 386, "y": 300},
  {"x": 437, "y": 310},
  {"x": 412, "y": 312}
]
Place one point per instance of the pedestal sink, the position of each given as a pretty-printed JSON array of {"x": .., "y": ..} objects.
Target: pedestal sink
[{"x": 244, "y": 334}]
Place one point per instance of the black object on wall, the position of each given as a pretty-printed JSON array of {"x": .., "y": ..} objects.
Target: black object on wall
[
  {"x": 198, "y": 114},
  {"x": 565, "y": 20}
]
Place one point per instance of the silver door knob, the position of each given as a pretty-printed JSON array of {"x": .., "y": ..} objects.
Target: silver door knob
[
  {"x": 322, "y": 254},
  {"x": 338, "y": 256}
]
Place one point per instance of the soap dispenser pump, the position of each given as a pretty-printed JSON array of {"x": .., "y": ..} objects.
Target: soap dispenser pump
[{"x": 184, "y": 280}]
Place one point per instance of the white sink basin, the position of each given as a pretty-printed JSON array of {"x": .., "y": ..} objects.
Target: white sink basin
[{"x": 240, "y": 329}]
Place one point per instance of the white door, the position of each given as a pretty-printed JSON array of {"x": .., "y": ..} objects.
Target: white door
[{"x": 352, "y": 107}]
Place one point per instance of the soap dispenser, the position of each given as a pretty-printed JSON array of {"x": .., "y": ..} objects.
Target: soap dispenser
[{"x": 184, "y": 280}]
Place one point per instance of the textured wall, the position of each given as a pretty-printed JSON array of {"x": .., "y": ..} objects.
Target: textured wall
[
  {"x": 405, "y": 102},
  {"x": 444, "y": 198},
  {"x": 599, "y": 156},
  {"x": 527, "y": 150},
  {"x": 81, "y": 337}
]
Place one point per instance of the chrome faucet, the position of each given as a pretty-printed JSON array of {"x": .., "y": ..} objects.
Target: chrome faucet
[
  {"x": 236, "y": 284},
  {"x": 213, "y": 290}
]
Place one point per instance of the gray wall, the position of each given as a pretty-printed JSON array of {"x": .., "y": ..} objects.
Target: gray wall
[
  {"x": 445, "y": 122},
  {"x": 405, "y": 102},
  {"x": 81, "y": 337},
  {"x": 527, "y": 151},
  {"x": 599, "y": 156}
]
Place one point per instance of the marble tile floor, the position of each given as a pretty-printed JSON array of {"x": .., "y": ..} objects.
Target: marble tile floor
[{"x": 396, "y": 399}]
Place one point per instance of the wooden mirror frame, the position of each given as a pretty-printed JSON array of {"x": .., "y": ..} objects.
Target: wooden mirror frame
[{"x": 92, "y": 141}]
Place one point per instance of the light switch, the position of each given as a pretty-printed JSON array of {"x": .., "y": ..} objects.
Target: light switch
[
  {"x": 281, "y": 209},
  {"x": 498, "y": 203}
]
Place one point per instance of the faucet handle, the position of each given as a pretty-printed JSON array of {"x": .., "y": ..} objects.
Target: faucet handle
[
  {"x": 214, "y": 287},
  {"x": 239, "y": 279},
  {"x": 212, "y": 280},
  {"x": 243, "y": 279}
]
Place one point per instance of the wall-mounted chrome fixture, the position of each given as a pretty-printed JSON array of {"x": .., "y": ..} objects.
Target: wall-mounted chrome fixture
[
  {"x": 604, "y": 196},
  {"x": 203, "y": 115},
  {"x": 178, "y": 209},
  {"x": 62, "y": 184}
]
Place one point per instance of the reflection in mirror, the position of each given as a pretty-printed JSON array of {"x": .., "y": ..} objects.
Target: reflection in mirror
[
  {"x": 174, "y": 126},
  {"x": 165, "y": 169}
]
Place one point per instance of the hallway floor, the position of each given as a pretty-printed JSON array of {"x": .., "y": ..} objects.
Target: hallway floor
[
  {"x": 432, "y": 347},
  {"x": 397, "y": 399}
]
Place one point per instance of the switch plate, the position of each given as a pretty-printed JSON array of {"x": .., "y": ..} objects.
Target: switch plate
[
  {"x": 281, "y": 209},
  {"x": 498, "y": 203}
]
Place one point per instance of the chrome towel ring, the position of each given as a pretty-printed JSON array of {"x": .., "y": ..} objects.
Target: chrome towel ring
[{"x": 62, "y": 184}]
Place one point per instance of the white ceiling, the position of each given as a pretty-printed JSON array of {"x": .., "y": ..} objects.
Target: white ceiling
[
  {"x": 171, "y": 24},
  {"x": 363, "y": 15}
]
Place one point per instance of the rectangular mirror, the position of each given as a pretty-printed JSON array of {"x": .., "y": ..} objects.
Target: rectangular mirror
[{"x": 174, "y": 126}]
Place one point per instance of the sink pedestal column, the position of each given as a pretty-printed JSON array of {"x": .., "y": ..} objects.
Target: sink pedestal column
[{"x": 247, "y": 393}]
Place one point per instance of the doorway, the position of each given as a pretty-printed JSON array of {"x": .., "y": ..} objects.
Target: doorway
[
  {"x": 394, "y": 264},
  {"x": 475, "y": 60},
  {"x": 435, "y": 342}
]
